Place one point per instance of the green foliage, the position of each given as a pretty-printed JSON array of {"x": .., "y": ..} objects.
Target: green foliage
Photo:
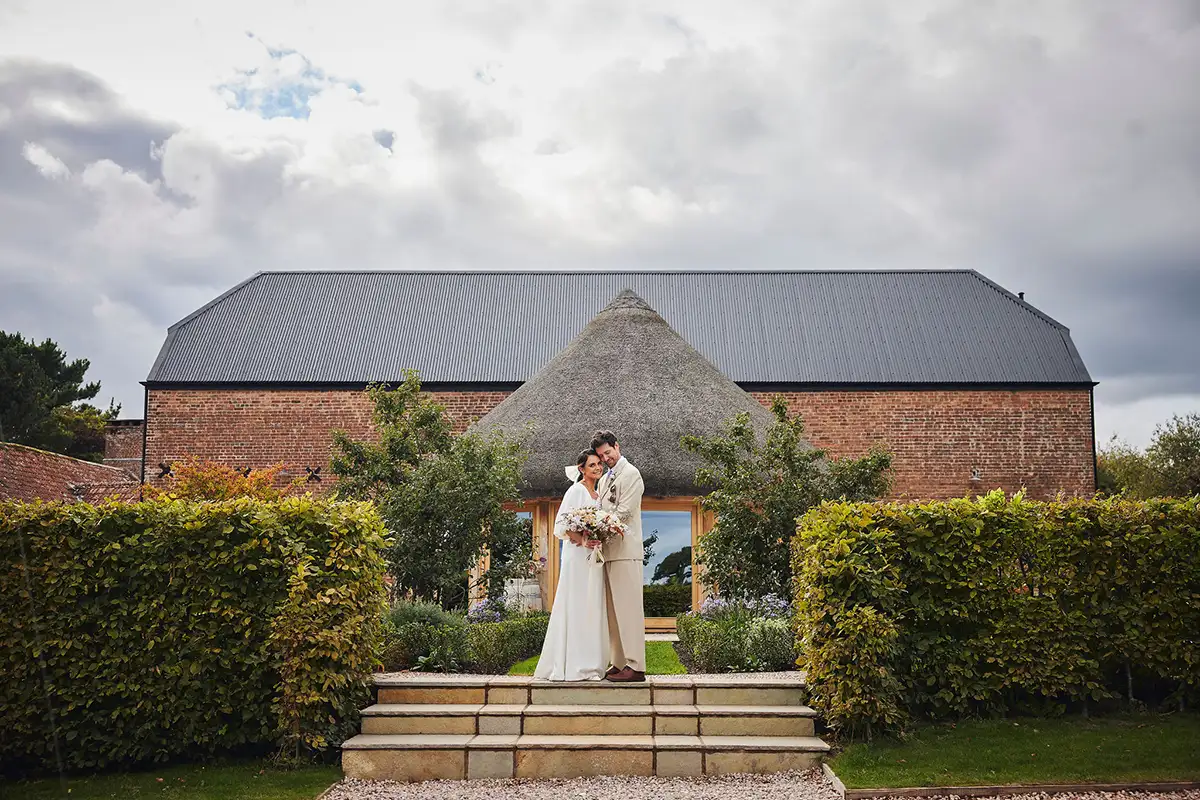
[
  {"x": 496, "y": 646},
  {"x": 761, "y": 490},
  {"x": 441, "y": 496},
  {"x": 172, "y": 627},
  {"x": 675, "y": 567},
  {"x": 424, "y": 637},
  {"x": 1174, "y": 453},
  {"x": 38, "y": 390},
  {"x": 405, "y": 644},
  {"x": 1170, "y": 466},
  {"x": 736, "y": 643},
  {"x": 1122, "y": 469},
  {"x": 666, "y": 599},
  {"x": 405, "y": 612},
  {"x": 992, "y": 606}
]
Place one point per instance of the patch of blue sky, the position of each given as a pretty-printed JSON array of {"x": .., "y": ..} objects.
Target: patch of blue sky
[{"x": 284, "y": 88}]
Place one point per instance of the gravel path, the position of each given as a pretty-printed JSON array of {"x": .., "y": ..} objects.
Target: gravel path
[
  {"x": 792, "y": 786},
  {"x": 1191, "y": 794}
]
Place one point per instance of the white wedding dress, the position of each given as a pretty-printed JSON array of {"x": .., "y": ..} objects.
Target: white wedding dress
[{"x": 576, "y": 646}]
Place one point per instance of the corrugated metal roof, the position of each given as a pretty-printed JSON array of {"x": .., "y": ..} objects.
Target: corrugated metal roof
[{"x": 911, "y": 327}]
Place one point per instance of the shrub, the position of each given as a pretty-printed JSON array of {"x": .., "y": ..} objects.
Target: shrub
[
  {"x": 762, "y": 487},
  {"x": 488, "y": 610},
  {"x": 990, "y": 606},
  {"x": 666, "y": 600},
  {"x": 738, "y": 636},
  {"x": 404, "y": 612},
  {"x": 496, "y": 646},
  {"x": 441, "y": 495},
  {"x": 171, "y": 627},
  {"x": 207, "y": 480},
  {"x": 443, "y": 643}
]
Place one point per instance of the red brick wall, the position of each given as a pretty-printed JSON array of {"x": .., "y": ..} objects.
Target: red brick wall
[
  {"x": 30, "y": 474},
  {"x": 1041, "y": 440},
  {"x": 1037, "y": 439},
  {"x": 123, "y": 445},
  {"x": 262, "y": 427}
]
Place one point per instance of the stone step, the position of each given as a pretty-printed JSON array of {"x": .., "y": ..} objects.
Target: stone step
[
  {"x": 609, "y": 720},
  {"x": 467, "y": 756},
  {"x": 424, "y": 689}
]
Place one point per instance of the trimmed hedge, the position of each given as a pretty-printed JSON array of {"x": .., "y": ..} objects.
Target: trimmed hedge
[
  {"x": 496, "y": 646},
  {"x": 173, "y": 627},
  {"x": 666, "y": 599},
  {"x": 454, "y": 645},
  {"x": 731, "y": 636},
  {"x": 992, "y": 605}
]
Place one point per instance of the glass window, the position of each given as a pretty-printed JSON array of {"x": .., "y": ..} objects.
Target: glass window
[{"x": 667, "y": 567}]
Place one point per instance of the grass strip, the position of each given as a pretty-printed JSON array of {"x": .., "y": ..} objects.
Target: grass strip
[
  {"x": 243, "y": 780},
  {"x": 661, "y": 659},
  {"x": 1118, "y": 749}
]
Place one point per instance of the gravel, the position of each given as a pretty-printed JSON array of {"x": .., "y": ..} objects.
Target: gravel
[
  {"x": 810, "y": 785},
  {"x": 791, "y": 785},
  {"x": 1191, "y": 794}
]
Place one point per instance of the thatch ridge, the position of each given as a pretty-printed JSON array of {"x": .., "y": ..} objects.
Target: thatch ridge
[{"x": 628, "y": 372}]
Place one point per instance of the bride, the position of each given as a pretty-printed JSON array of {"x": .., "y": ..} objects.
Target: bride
[{"x": 576, "y": 646}]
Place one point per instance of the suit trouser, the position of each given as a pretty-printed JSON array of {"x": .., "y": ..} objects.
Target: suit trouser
[{"x": 626, "y": 615}]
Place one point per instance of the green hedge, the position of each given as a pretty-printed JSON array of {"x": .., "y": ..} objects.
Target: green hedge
[
  {"x": 736, "y": 643},
  {"x": 666, "y": 599},
  {"x": 449, "y": 644},
  {"x": 995, "y": 605},
  {"x": 496, "y": 646},
  {"x": 174, "y": 627}
]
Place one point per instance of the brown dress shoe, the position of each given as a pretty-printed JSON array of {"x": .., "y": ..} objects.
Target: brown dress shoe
[
  {"x": 628, "y": 675},
  {"x": 611, "y": 671}
]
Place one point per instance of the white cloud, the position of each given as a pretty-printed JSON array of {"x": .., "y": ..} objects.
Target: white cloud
[
  {"x": 1052, "y": 147},
  {"x": 44, "y": 160}
]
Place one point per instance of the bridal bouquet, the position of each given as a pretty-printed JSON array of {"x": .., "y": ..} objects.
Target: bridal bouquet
[{"x": 594, "y": 524}]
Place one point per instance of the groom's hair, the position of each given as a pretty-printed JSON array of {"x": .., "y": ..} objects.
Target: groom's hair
[{"x": 603, "y": 437}]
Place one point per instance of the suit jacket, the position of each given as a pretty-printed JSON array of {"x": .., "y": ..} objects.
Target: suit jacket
[{"x": 621, "y": 494}]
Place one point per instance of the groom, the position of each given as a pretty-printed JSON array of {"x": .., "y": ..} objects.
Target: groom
[{"x": 621, "y": 494}]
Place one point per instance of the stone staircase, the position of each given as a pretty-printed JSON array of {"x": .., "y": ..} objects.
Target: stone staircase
[{"x": 431, "y": 727}]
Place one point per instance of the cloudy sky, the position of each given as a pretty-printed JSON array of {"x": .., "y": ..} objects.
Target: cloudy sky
[{"x": 153, "y": 154}]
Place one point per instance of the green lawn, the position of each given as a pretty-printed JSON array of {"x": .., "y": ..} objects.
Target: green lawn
[
  {"x": 661, "y": 659},
  {"x": 247, "y": 780},
  {"x": 1121, "y": 749}
]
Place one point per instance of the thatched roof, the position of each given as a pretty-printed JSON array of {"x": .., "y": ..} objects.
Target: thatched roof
[{"x": 630, "y": 373}]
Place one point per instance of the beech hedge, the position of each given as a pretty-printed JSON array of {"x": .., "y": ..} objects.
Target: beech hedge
[
  {"x": 134, "y": 632},
  {"x": 996, "y": 605}
]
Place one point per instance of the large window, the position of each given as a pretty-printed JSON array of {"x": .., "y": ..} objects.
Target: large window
[{"x": 667, "y": 569}]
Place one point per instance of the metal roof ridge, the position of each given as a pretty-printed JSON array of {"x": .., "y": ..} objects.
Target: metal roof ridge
[
  {"x": 1020, "y": 301},
  {"x": 857, "y": 271},
  {"x": 217, "y": 299}
]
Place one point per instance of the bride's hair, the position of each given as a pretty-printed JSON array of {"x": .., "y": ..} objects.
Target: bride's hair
[{"x": 581, "y": 460}]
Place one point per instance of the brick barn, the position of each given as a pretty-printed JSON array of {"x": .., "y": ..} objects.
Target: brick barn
[{"x": 969, "y": 386}]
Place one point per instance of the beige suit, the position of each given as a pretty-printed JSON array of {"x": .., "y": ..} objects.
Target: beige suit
[{"x": 621, "y": 493}]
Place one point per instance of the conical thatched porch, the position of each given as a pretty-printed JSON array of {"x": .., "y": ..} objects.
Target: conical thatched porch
[{"x": 628, "y": 372}]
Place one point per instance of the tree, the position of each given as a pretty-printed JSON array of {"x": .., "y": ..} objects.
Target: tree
[
  {"x": 1174, "y": 455},
  {"x": 676, "y": 567},
  {"x": 38, "y": 392},
  {"x": 441, "y": 496},
  {"x": 1170, "y": 466},
  {"x": 761, "y": 490},
  {"x": 1123, "y": 469}
]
